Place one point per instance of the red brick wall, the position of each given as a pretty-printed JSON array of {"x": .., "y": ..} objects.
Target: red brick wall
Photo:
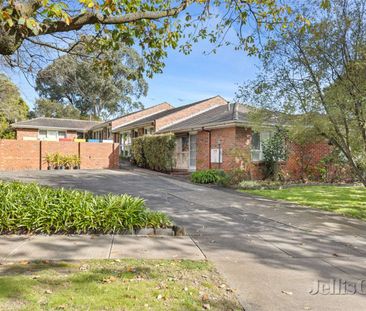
[
  {"x": 236, "y": 143},
  {"x": 189, "y": 111},
  {"x": 19, "y": 155},
  {"x": 140, "y": 114},
  {"x": 29, "y": 155},
  {"x": 96, "y": 155},
  {"x": 26, "y": 133}
]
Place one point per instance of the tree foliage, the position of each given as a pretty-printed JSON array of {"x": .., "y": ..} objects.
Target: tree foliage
[
  {"x": 319, "y": 74},
  {"x": 12, "y": 107},
  {"x": 100, "y": 85},
  {"x": 51, "y": 109},
  {"x": 275, "y": 149},
  {"x": 154, "y": 25}
]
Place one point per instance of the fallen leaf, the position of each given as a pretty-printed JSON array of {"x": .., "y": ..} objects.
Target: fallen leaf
[
  {"x": 205, "y": 297},
  {"x": 109, "y": 279}
]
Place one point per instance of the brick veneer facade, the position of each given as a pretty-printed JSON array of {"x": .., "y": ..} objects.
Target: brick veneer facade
[
  {"x": 21, "y": 133},
  {"x": 188, "y": 112},
  {"x": 30, "y": 155},
  {"x": 236, "y": 144}
]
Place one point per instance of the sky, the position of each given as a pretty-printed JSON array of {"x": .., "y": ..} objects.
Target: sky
[{"x": 186, "y": 78}]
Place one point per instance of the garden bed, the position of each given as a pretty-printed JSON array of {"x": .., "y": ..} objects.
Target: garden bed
[{"x": 30, "y": 208}]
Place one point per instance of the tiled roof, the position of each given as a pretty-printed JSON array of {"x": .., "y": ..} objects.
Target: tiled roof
[
  {"x": 153, "y": 117},
  {"x": 217, "y": 115},
  {"x": 70, "y": 124}
]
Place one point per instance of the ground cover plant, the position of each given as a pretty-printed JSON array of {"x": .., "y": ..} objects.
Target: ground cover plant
[
  {"x": 30, "y": 208},
  {"x": 347, "y": 201},
  {"x": 114, "y": 285},
  {"x": 207, "y": 176}
]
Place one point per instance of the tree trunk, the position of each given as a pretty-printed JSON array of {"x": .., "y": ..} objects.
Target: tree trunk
[{"x": 275, "y": 171}]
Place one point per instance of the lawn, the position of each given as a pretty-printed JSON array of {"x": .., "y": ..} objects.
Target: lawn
[
  {"x": 114, "y": 285},
  {"x": 347, "y": 201}
]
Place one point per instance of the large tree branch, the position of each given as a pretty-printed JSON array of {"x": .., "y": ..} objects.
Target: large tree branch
[{"x": 91, "y": 18}]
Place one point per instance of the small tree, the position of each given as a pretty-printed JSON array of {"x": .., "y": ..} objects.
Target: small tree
[{"x": 275, "y": 150}]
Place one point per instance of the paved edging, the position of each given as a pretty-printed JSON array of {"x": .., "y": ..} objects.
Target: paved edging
[{"x": 74, "y": 247}]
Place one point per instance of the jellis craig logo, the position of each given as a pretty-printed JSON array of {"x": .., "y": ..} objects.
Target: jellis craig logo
[{"x": 339, "y": 287}]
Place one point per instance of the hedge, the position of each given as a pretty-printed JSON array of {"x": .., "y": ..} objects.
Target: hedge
[
  {"x": 155, "y": 152},
  {"x": 30, "y": 208}
]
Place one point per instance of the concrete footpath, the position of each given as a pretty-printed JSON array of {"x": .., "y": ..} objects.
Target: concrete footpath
[{"x": 75, "y": 247}]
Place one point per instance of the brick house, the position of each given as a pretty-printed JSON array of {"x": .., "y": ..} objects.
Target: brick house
[
  {"x": 213, "y": 133},
  {"x": 52, "y": 129},
  {"x": 210, "y": 133}
]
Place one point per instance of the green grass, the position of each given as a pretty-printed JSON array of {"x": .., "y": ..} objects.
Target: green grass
[
  {"x": 30, "y": 208},
  {"x": 114, "y": 285},
  {"x": 347, "y": 201}
]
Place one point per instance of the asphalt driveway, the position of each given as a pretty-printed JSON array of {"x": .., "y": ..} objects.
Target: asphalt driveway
[{"x": 273, "y": 254}]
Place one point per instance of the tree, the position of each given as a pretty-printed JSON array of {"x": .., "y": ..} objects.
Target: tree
[
  {"x": 100, "y": 87},
  {"x": 12, "y": 107},
  {"x": 321, "y": 74},
  {"x": 48, "y": 108},
  {"x": 27, "y": 25}
]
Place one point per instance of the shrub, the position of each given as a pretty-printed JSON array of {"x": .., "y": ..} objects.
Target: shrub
[
  {"x": 234, "y": 177},
  {"x": 30, "y": 208},
  {"x": 155, "y": 152},
  {"x": 207, "y": 176}
]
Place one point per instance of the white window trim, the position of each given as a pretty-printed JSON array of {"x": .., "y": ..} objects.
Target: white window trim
[
  {"x": 54, "y": 138},
  {"x": 259, "y": 151}
]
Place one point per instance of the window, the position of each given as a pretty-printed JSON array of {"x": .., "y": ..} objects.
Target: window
[
  {"x": 62, "y": 134},
  {"x": 148, "y": 130},
  {"x": 42, "y": 134},
  {"x": 257, "y": 144},
  {"x": 51, "y": 135}
]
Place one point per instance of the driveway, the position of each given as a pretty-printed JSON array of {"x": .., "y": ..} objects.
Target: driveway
[{"x": 273, "y": 254}]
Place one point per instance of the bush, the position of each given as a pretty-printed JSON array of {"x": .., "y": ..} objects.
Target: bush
[
  {"x": 155, "y": 152},
  {"x": 57, "y": 160},
  {"x": 30, "y": 208},
  {"x": 207, "y": 176}
]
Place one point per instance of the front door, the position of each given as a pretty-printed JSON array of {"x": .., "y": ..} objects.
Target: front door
[{"x": 182, "y": 153}]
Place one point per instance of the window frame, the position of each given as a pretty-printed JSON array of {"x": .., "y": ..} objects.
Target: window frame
[{"x": 263, "y": 136}]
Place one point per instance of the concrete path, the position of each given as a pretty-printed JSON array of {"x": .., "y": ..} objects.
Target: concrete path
[
  {"x": 273, "y": 253},
  {"x": 57, "y": 247}
]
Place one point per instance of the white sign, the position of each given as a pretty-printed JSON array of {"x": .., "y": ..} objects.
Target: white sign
[{"x": 216, "y": 155}]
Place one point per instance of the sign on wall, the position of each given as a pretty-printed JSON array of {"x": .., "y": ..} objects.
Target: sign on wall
[{"x": 216, "y": 155}]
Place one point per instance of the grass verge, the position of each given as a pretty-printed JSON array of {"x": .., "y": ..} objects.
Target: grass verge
[
  {"x": 347, "y": 201},
  {"x": 114, "y": 285},
  {"x": 30, "y": 208}
]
